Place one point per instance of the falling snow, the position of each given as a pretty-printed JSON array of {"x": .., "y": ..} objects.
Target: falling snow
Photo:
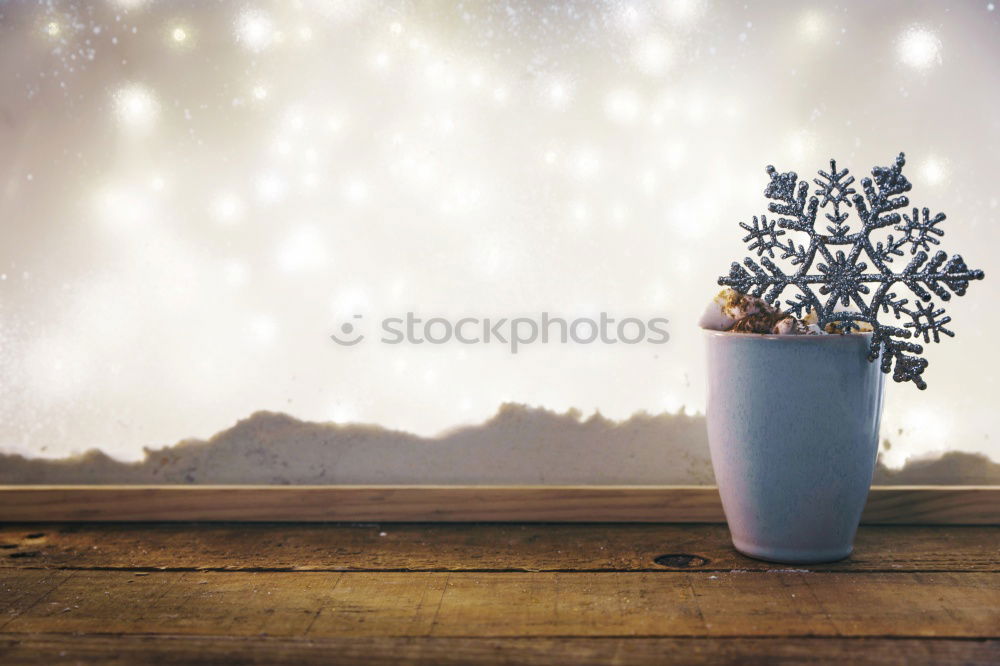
[{"x": 195, "y": 196}]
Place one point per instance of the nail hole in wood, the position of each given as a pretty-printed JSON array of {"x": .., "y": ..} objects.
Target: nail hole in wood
[{"x": 680, "y": 561}]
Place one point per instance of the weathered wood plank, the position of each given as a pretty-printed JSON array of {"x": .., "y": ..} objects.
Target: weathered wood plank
[
  {"x": 29, "y": 591},
  {"x": 465, "y": 547},
  {"x": 887, "y": 505},
  {"x": 127, "y": 650},
  {"x": 679, "y": 604}
]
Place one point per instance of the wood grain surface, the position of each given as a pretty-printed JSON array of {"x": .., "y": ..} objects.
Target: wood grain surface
[
  {"x": 445, "y": 547},
  {"x": 303, "y": 604},
  {"x": 886, "y": 505},
  {"x": 488, "y": 594},
  {"x": 394, "y": 651}
]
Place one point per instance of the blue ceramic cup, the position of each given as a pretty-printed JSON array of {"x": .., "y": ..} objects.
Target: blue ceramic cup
[{"x": 793, "y": 424}]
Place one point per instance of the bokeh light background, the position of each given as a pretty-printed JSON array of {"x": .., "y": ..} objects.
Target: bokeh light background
[{"x": 193, "y": 196}]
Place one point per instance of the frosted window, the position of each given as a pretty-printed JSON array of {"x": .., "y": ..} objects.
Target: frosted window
[{"x": 195, "y": 196}]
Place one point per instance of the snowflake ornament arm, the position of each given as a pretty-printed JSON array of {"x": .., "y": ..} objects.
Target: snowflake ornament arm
[
  {"x": 921, "y": 233},
  {"x": 926, "y": 323},
  {"x": 835, "y": 188},
  {"x": 852, "y": 279},
  {"x": 763, "y": 237}
]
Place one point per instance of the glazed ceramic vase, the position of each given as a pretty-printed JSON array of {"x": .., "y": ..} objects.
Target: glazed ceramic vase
[{"x": 793, "y": 424}]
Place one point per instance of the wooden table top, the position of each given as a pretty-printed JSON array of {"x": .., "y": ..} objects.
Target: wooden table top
[{"x": 488, "y": 593}]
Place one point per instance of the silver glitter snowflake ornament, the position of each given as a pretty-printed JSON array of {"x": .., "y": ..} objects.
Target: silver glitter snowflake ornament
[{"x": 844, "y": 274}]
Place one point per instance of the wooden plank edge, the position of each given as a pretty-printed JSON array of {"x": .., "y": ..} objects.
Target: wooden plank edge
[
  {"x": 917, "y": 505},
  {"x": 443, "y": 651}
]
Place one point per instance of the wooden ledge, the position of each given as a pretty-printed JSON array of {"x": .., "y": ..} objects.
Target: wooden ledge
[{"x": 918, "y": 505}]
